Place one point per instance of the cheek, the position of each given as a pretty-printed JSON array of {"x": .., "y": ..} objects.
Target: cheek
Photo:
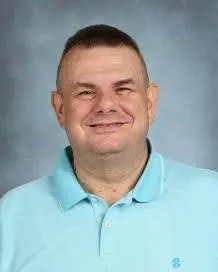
[
  {"x": 71, "y": 115},
  {"x": 138, "y": 109},
  {"x": 73, "y": 121},
  {"x": 72, "y": 111},
  {"x": 150, "y": 113},
  {"x": 75, "y": 114}
]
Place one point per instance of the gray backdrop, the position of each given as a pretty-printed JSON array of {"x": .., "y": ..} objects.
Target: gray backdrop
[{"x": 179, "y": 40}]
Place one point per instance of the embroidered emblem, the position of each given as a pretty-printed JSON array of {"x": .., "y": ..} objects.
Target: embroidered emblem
[{"x": 176, "y": 263}]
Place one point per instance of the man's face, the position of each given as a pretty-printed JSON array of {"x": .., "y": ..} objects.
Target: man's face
[{"x": 105, "y": 106}]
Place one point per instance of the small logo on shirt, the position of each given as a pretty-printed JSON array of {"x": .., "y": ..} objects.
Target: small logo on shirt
[{"x": 176, "y": 263}]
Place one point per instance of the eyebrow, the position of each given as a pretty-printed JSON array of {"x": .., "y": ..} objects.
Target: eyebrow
[
  {"x": 84, "y": 84},
  {"x": 123, "y": 82},
  {"x": 115, "y": 84}
]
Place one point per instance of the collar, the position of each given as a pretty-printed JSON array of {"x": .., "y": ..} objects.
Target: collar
[
  {"x": 66, "y": 188},
  {"x": 69, "y": 192},
  {"x": 152, "y": 180}
]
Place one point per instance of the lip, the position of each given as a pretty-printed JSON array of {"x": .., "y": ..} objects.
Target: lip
[
  {"x": 106, "y": 124},
  {"x": 106, "y": 128}
]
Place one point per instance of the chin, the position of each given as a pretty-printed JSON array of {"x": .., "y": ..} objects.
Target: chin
[{"x": 108, "y": 149}]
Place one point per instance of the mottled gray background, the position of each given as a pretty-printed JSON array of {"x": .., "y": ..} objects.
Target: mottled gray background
[{"x": 179, "y": 40}]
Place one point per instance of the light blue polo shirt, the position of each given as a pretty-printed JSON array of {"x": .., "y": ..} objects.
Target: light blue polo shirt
[{"x": 168, "y": 222}]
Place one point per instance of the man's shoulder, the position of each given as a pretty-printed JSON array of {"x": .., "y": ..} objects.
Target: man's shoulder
[
  {"x": 26, "y": 194},
  {"x": 181, "y": 176},
  {"x": 185, "y": 170}
]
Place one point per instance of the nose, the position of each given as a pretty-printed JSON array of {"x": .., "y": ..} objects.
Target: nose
[{"x": 105, "y": 103}]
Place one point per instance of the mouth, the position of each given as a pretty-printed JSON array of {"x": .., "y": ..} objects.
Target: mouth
[
  {"x": 107, "y": 125},
  {"x": 103, "y": 129}
]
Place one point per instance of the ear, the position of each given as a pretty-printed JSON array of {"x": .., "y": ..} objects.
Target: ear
[
  {"x": 58, "y": 107},
  {"x": 152, "y": 100}
]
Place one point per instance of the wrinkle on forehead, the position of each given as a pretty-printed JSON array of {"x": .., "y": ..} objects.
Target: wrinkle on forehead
[{"x": 95, "y": 63}]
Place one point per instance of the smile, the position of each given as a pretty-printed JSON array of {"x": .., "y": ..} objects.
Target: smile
[
  {"x": 107, "y": 125},
  {"x": 106, "y": 128}
]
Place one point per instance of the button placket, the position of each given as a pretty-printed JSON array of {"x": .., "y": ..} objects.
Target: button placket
[
  {"x": 107, "y": 235},
  {"x": 98, "y": 210}
]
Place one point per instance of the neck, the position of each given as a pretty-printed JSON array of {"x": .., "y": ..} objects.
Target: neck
[{"x": 113, "y": 176}]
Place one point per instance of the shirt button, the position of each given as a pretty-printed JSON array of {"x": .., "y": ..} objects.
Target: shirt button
[{"x": 108, "y": 224}]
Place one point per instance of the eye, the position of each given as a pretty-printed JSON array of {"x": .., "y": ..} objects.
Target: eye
[
  {"x": 87, "y": 92},
  {"x": 123, "y": 90}
]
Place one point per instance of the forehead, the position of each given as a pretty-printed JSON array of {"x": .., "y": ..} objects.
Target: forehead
[{"x": 100, "y": 63}]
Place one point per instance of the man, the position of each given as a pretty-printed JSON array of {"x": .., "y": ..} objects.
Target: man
[{"x": 112, "y": 203}]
